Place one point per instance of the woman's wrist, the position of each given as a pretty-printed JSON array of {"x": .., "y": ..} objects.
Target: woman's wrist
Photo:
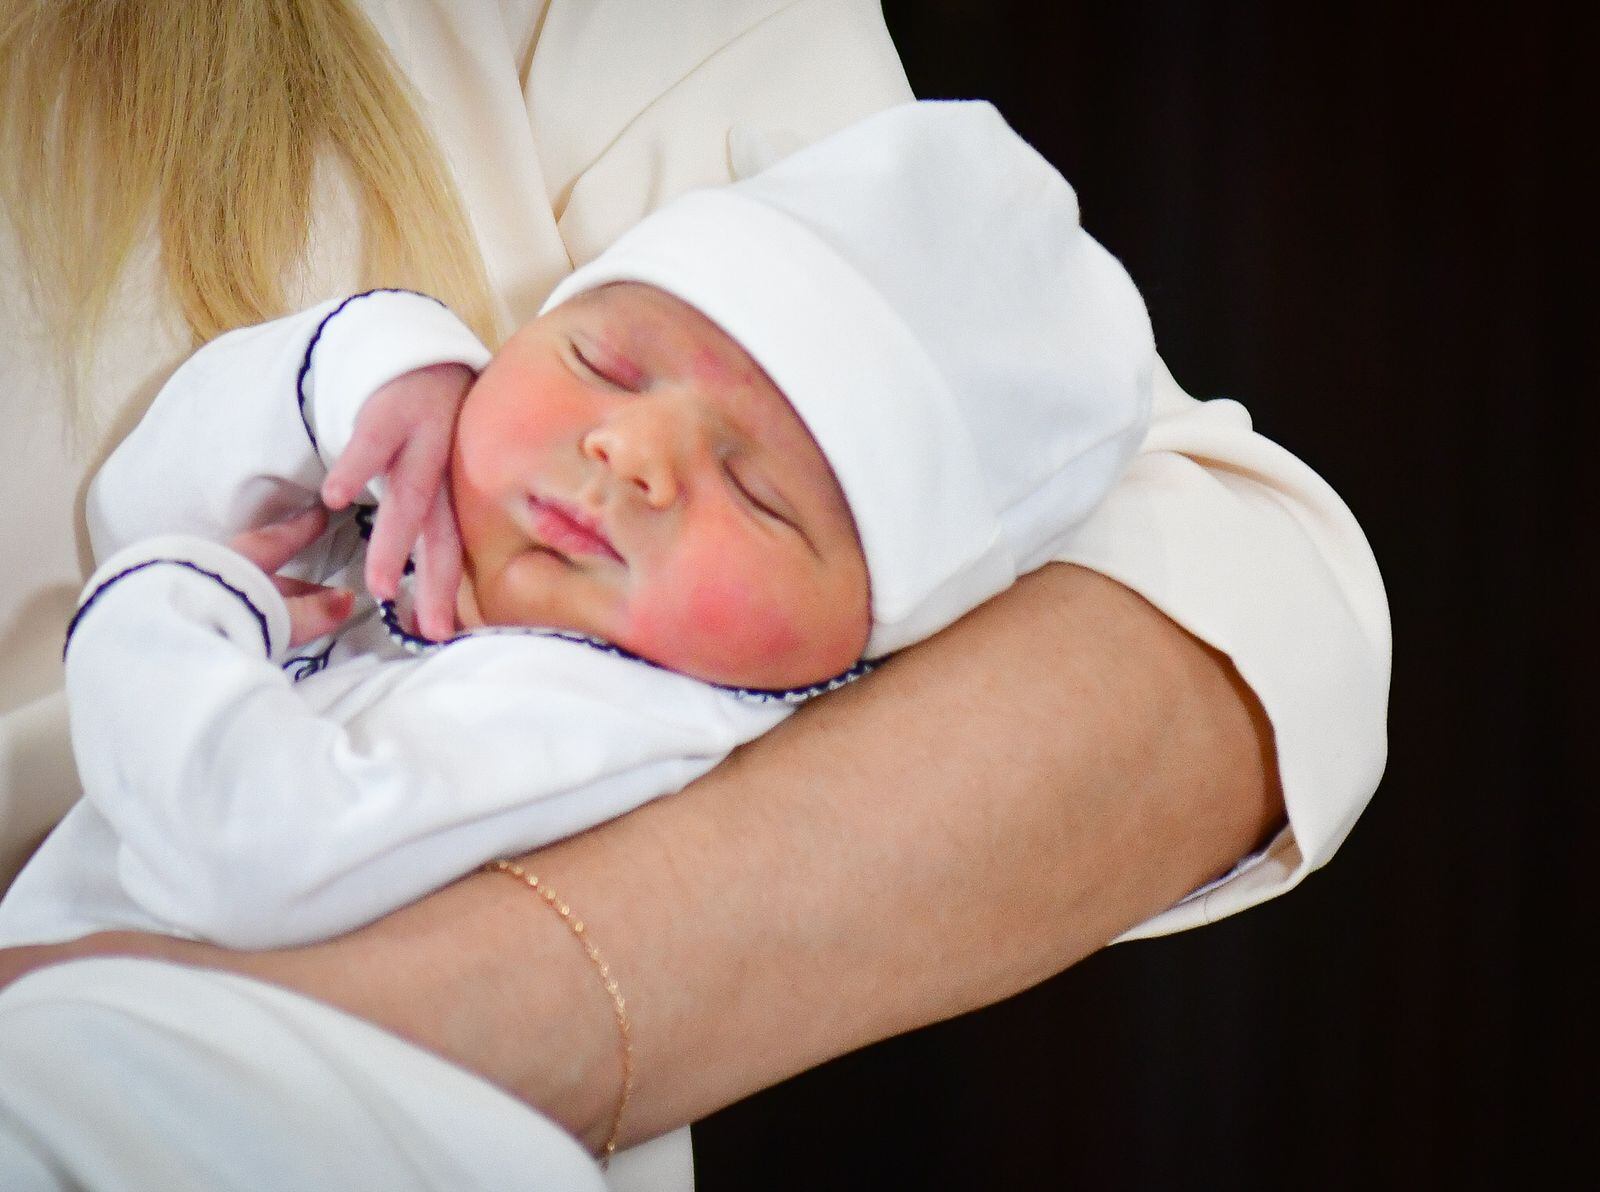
[
  {"x": 573, "y": 921},
  {"x": 474, "y": 973}
]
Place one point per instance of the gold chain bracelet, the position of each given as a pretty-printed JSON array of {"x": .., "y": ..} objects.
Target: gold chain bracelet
[{"x": 619, "y": 1008}]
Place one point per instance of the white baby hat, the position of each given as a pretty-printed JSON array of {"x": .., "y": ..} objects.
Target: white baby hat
[{"x": 975, "y": 367}]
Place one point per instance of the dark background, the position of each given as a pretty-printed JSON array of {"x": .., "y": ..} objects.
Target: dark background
[{"x": 1367, "y": 228}]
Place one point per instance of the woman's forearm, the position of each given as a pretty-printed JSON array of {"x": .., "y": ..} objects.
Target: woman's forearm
[{"x": 987, "y": 809}]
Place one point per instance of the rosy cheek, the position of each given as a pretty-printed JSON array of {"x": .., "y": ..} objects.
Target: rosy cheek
[
  {"x": 751, "y": 627},
  {"x": 719, "y": 630}
]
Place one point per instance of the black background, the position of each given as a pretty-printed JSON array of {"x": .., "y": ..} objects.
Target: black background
[{"x": 1372, "y": 229}]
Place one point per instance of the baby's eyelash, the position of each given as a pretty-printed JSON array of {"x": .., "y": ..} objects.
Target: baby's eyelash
[
  {"x": 750, "y": 496},
  {"x": 593, "y": 369},
  {"x": 577, "y": 354}
]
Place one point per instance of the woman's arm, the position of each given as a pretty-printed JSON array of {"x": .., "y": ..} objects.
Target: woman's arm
[{"x": 988, "y": 808}]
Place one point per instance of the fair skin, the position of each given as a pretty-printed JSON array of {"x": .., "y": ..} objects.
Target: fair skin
[
  {"x": 1127, "y": 762},
  {"x": 864, "y": 893},
  {"x": 621, "y": 469}
]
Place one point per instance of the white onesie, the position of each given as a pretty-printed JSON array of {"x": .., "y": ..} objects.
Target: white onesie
[{"x": 240, "y": 792}]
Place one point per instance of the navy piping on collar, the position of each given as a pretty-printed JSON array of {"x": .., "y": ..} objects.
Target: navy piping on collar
[
  {"x": 261, "y": 618},
  {"x": 305, "y": 361},
  {"x": 763, "y": 695}
]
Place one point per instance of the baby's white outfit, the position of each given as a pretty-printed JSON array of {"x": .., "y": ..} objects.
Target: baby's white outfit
[
  {"x": 976, "y": 385},
  {"x": 238, "y": 791}
]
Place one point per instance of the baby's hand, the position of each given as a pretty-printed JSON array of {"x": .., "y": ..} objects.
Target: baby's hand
[
  {"x": 403, "y": 433},
  {"x": 314, "y": 610}
]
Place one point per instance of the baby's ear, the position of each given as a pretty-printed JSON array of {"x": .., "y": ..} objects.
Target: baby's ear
[{"x": 751, "y": 149}]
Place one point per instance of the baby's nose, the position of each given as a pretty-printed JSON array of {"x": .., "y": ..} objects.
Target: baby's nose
[
  {"x": 649, "y": 444},
  {"x": 633, "y": 463}
]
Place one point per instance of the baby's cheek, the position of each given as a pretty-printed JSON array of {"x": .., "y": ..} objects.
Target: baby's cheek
[
  {"x": 720, "y": 630},
  {"x": 750, "y": 625}
]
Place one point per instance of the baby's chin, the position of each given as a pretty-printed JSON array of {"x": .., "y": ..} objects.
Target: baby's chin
[{"x": 503, "y": 596}]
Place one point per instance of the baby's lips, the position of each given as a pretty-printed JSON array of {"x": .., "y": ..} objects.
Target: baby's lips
[{"x": 568, "y": 531}]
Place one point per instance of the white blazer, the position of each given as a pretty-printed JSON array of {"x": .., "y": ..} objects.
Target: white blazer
[{"x": 563, "y": 124}]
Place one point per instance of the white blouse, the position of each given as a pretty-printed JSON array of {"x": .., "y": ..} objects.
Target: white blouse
[{"x": 564, "y": 122}]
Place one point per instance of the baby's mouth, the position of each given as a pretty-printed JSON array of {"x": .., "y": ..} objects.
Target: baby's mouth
[{"x": 569, "y": 531}]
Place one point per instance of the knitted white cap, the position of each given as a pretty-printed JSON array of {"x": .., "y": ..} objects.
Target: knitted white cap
[{"x": 974, "y": 366}]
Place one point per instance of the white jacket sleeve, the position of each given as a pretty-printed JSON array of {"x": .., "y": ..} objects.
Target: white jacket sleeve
[
  {"x": 242, "y": 433},
  {"x": 1249, "y": 550},
  {"x": 245, "y": 817},
  {"x": 634, "y": 102}
]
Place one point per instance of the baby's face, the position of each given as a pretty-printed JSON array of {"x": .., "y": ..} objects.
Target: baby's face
[{"x": 624, "y": 469}]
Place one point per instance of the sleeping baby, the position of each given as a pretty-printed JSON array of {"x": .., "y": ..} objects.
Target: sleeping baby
[{"x": 778, "y": 431}]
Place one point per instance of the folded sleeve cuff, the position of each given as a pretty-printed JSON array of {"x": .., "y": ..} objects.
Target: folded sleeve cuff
[
  {"x": 1247, "y": 549},
  {"x": 366, "y": 341},
  {"x": 197, "y": 579}
]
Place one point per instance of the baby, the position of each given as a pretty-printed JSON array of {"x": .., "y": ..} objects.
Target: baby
[{"x": 778, "y": 429}]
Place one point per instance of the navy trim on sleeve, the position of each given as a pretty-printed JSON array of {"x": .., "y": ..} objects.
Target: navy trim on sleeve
[
  {"x": 305, "y": 361},
  {"x": 261, "y": 618},
  {"x": 303, "y": 666}
]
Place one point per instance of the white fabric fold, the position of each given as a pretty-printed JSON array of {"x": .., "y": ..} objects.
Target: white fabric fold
[{"x": 134, "y": 1076}]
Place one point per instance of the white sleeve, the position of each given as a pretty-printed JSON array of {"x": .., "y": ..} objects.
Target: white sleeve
[
  {"x": 1248, "y": 549},
  {"x": 634, "y": 102},
  {"x": 243, "y": 431},
  {"x": 245, "y": 817},
  {"x": 124, "y": 1075}
]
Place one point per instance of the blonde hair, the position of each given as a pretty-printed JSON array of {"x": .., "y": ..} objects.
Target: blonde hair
[{"x": 203, "y": 120}]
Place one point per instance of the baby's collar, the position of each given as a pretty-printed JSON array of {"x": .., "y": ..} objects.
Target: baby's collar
[{"x": 416, "y": 644}]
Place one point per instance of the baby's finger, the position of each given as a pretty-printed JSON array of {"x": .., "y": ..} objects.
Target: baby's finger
[
  {"x": 438, "y": 572},
  {"x": 296, "y": 587},
  {"x": 394, "y": 532},
  {"x": 414, "y": 481},
  {"x": 292, "y": 589},
  {"x": 269, "y": 547},
  {"x": 371, "y": 450},
  {"x": 318, "y": 614}
]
